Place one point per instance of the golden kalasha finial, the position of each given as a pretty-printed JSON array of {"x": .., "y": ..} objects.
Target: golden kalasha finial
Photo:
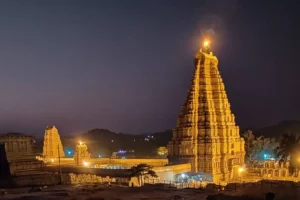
[{"x": 206, "y": 45}]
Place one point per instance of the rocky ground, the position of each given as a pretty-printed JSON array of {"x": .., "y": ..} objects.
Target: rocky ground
[
  {"x": 93, "y": 192},
  {"x": 99, "y": 192}
]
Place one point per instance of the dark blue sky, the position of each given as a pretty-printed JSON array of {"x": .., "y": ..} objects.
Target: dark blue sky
[{"x": 126, "y": 65}]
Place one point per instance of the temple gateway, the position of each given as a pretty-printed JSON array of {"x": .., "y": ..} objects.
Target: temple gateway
[{"x": 206, "y": 134}]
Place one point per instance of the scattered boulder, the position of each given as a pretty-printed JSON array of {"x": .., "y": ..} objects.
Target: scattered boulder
[
  {"x": 178, "y": 197},
  {"x": 30, "y": 198},
  {"x": 3, "y": 192},
  {"x": 35, "y": 189}
]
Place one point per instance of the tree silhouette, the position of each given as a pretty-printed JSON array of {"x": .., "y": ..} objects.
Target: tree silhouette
[
  {"x": 141, "y": 171},
  {"x": 289, "y": 150}
]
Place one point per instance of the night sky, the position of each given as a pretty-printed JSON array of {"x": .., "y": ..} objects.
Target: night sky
[{"x": 126, "y": 65}]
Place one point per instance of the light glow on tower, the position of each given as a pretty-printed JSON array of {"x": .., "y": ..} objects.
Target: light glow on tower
[
  {"x": 206, "y": 43},
  {"x": 86, "y": 164},
  {"x": 241, "y": 169}
]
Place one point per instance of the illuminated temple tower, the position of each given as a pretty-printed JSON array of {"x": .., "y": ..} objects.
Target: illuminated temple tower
[
  {"x": 206, "y": 134},
  {"x": 82, "y": 156},
  {"x": 52, "y": 144}
]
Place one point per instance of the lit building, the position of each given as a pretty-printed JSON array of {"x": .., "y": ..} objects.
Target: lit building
[
  {"x": 206, "y": 134},
  {"x": 52, "y": 144},
  {"x": 82, "y": 156}
]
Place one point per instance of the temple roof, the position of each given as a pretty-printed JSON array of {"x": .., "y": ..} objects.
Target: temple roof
[{"x": 15, "y": 135}]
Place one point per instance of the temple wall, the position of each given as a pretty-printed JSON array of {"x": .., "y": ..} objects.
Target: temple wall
[
  {"x": 37, "y": 180},
  {"x": 86, "y": 178},
  {"x": 124, "y": 162},
  {"x": 54, "y": 179},
  {"x": 151, "y": 162},
  {"x": 165, "y": 173},
  {"x": 25, "y": 166}
]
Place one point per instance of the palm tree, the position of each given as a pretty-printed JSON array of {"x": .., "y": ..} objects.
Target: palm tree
[
  {"x": 289, "y": 150},
  {"x": 141, "y": 171}
]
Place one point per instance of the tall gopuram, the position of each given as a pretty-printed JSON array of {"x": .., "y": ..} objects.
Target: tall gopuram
[
  {"x": 206, "y": 134},
  {"x": 52, "y": 144}
]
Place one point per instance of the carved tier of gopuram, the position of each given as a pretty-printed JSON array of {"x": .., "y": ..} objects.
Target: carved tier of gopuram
[
  {"x": 52, "y": 144},
  {"x": 206, "y": 134},
  {"x": 20, "y": 153}
]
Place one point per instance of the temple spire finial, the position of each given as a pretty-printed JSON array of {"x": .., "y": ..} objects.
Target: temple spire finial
[{"x": 206, "y": 46}]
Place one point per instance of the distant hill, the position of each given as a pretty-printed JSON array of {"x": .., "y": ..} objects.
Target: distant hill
[
  {"x": 103, "y": 142},
  {"x": 287, "y": 126}
]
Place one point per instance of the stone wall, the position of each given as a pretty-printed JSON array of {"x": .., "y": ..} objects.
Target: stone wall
[
  {"x": 25, "y": 166},
  {"x": 96, "y": 171},
  {"x": 37, "y": 180},
  {"x": 125, "y": 162},
  {"x": 71, "y": 178},
  {"x": 86, "y": 178}
]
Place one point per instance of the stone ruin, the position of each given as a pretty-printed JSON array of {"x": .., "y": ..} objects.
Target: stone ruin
[
  {"x": 52, "y": 144},
  {"x": 19, "y": 152},
  {"x": 4, "y": 166},
  {"x": 275, "y": 169}
]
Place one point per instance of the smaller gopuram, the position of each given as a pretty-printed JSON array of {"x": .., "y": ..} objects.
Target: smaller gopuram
[
  {"x": 82, "y": 156},
  {"x": 52, "y": 144}
]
